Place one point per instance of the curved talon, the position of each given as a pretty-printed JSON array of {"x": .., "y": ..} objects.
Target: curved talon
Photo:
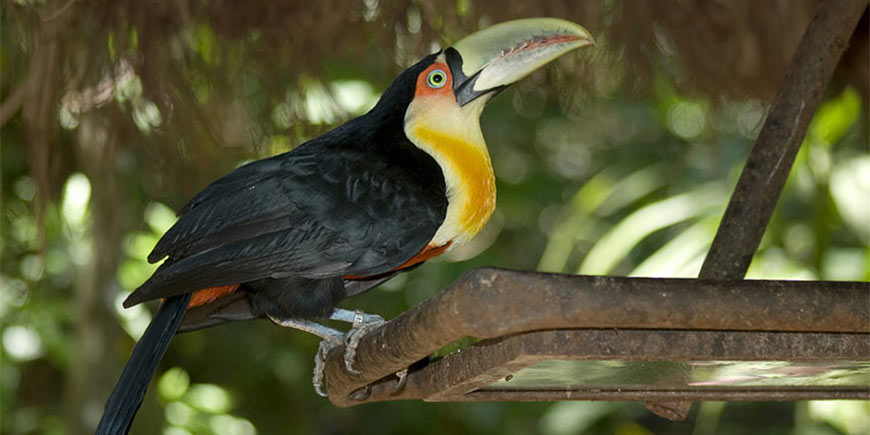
[
  {"x": 403, "y": 379},
  {"x": 362, "y": 393},
  {"x": 320, "y": 364}
]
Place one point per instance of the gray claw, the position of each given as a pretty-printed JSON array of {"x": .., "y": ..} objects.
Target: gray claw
[
  {"x": 320, "y": 363},
  {"x": 403, "y": 379}
]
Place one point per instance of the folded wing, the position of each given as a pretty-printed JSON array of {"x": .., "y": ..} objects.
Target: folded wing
[{"x": 317, "y": 211}]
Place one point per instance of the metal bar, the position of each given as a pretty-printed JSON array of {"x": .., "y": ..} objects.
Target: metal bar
[
  {"x": 489, "y": 303},
  {"x": 460, "y": 375},
  {"x": 668, "y": 396},
  {"x": 771, "y": 158}
]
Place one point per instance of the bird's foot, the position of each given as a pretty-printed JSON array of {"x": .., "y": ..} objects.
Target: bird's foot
[{"x": 362, "y": 324}]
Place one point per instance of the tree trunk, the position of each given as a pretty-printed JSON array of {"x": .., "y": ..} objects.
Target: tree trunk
[{"x": 93, "y": 371}]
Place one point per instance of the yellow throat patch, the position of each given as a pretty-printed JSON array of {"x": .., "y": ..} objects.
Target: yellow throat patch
[{"x": 452, "y": 136}]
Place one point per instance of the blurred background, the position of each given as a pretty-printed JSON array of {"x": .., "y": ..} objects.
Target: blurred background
[{"x": 617, "y": 159}]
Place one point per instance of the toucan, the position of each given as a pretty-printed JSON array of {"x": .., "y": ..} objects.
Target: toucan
[{"x": 288, "y": 237}]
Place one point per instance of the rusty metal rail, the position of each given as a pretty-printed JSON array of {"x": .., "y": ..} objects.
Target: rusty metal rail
[
  {"x": 465, "y": 375},
  {"x": 490, "y": 303}
]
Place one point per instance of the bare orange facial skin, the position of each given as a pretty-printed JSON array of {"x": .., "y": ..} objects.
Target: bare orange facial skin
[{"x": 424, "y": 88}]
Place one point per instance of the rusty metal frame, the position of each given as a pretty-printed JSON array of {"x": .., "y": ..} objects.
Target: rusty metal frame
[
  {"x": 791, "y": 319},
  {"x": 525, "y": 317},
  {"x": 459, "y": 376}
]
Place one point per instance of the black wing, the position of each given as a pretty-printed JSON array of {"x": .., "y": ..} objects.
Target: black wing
[{"x": 318, "y": 211}]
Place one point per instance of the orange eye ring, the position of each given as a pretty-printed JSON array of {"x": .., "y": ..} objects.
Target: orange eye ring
[{"x": 436, "y": 79}]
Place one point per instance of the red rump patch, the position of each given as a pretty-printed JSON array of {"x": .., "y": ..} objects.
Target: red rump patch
[
  {"x": 211, "y": 294},
  {"x": 427, "y": 253}
]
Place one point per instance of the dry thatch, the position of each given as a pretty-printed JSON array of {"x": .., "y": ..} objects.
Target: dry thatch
[{"x": 707, "y": 48}]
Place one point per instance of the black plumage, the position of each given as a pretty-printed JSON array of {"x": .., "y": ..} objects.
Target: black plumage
[{"x": 358, "y": 201}]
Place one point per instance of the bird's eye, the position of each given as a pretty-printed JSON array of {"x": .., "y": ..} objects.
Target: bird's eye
[{"x": 436, "y": 79}]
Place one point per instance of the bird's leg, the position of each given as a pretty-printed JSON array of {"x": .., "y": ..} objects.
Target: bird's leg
[
  {"x": 310, "y": 327},
  {"x": 331, "y": 338},
  {"x": 362, "y": 324}
]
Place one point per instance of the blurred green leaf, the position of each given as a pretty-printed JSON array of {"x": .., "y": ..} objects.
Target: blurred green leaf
[
  {"x": 209, "y": 398},
  {"x": 565, "y": 418},
  {"x": 850, "y": 189},
  {"x": 682, "y": 256},
  {"x": 159, "y": 217},
  {"x": 615, "y": 245},
  {"x": 173, "y": 384},
  {"x": 851, "y": 417},
  {"x": 604, "y": 194},
  {"x": 834, "y": 117}
]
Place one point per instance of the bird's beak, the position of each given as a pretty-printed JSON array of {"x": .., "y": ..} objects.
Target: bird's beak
[{"x": 488, "y": 60}]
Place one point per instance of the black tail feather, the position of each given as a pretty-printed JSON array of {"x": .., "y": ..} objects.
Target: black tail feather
[{"x": 122, "y": 404}]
